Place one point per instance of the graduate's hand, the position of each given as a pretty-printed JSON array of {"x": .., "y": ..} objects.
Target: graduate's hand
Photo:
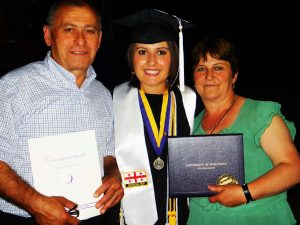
[
  {"x": 229, "y": 195},
  {"x": 113, "y": 193}
]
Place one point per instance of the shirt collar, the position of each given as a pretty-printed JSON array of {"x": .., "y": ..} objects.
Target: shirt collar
[{"x": 64, "y": 76}]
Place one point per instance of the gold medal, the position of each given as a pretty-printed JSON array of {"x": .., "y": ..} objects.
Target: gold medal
[{"x": 158, "y": 163}]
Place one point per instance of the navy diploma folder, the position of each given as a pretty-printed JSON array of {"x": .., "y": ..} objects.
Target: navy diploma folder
[{"x": 197, "y": 161}]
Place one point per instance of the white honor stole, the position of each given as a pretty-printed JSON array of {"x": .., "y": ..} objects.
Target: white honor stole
[
  {"x": 138, "y": 203},
  {"x": 189, "y": 104}
]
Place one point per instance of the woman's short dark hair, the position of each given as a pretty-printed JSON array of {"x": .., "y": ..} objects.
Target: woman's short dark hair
[
  {"x": 78, "y": 3},
  {"x": 218, "y": 48},
  {"x": 172, "y": 78}
]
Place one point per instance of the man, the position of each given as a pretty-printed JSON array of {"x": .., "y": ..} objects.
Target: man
[{"x": 55, "y": 96}]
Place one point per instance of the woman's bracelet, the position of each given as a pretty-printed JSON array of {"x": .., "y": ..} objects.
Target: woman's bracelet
[{"x": 247, "y": 193}]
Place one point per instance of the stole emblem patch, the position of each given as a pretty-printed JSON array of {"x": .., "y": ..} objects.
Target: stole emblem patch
[{"x": 135, "y": 178}]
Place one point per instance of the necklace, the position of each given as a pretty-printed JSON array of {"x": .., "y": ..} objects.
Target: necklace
[{"x": 222, "y": 118}]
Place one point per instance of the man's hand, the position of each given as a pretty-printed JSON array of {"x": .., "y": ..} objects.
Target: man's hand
[{"x": 52, "y": 210}]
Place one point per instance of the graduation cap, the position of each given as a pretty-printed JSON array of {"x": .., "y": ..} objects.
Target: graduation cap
[{"x": 151, "y": 26}]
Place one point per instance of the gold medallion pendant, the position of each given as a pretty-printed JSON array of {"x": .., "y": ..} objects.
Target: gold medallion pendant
[{"x": 158, "y": 163}]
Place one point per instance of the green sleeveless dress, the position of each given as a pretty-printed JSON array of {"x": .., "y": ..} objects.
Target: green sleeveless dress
[{"x": 255, "y": 116}]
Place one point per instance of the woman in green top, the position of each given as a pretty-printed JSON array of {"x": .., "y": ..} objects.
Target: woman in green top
[{"x": 271, "y": 160}]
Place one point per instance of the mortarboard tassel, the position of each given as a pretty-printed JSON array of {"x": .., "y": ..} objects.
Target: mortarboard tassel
[
  {"x": 181, "y": 53},
  {"x": 181, "y": 58}
]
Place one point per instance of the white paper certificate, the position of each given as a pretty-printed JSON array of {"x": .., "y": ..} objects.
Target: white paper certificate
[{"x": 68, "y": 165}]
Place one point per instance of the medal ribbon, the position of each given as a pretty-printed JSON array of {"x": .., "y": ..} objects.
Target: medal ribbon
[{"x": 157, "y": 138}]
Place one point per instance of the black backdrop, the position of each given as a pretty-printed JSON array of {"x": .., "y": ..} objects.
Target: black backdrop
[{"x": 265, "y": 32}]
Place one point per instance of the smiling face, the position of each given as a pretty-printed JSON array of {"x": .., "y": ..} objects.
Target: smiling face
[
  {"x": 213, "y": 78},
  {"x": 74, "y": 37},
  {"x": 151, "y": 64}
]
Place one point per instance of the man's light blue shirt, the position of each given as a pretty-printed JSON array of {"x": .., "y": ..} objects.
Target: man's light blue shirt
[{"x": 43, "y": 99}]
